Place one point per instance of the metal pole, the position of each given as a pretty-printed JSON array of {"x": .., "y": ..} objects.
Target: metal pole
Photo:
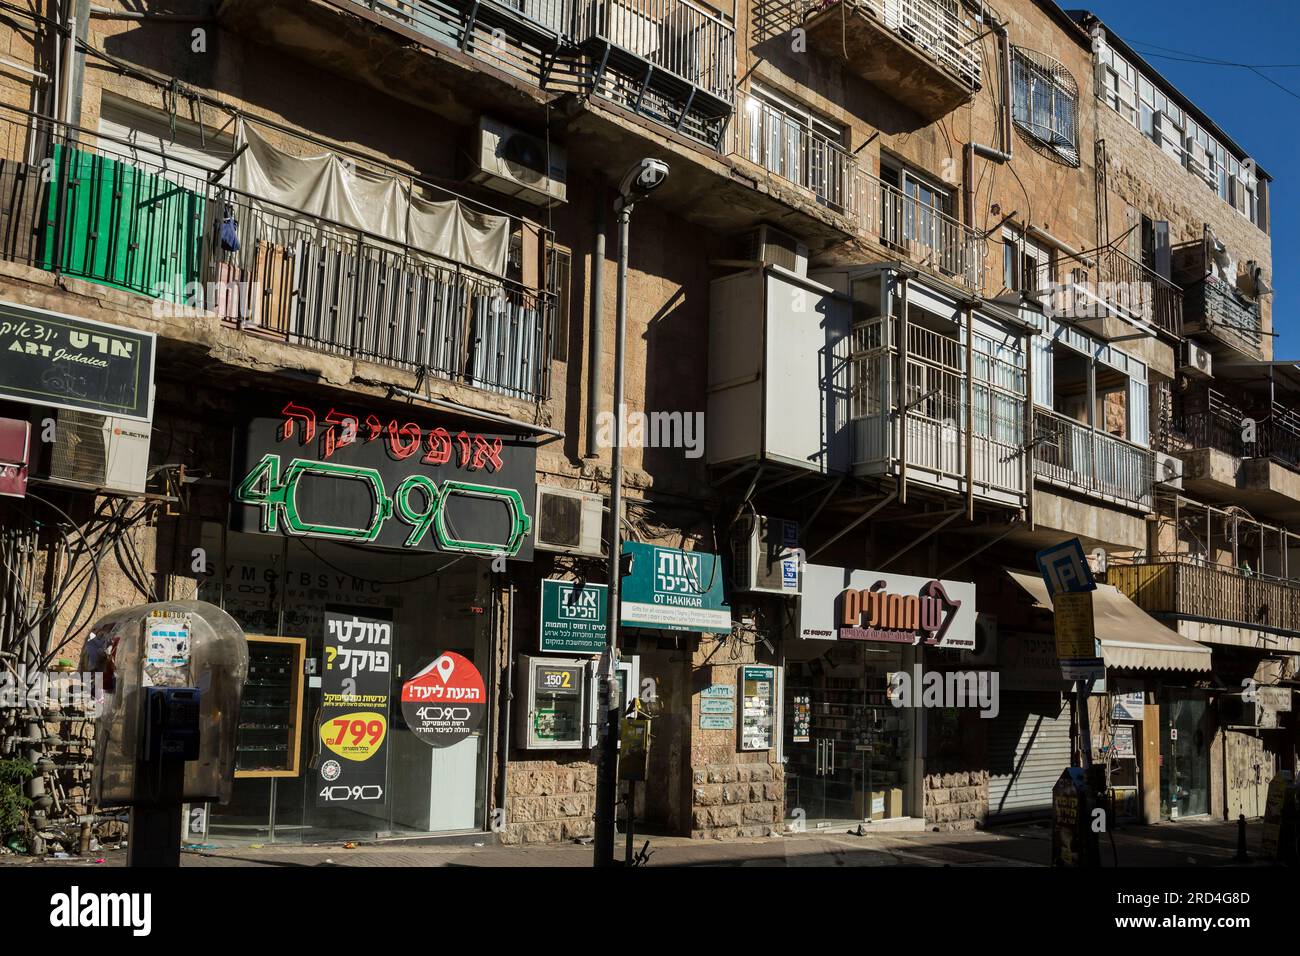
[
  {"x": 606, "y": 781},
  {"x": 902, "y": 391},
  {"x": 595, "y": 375}
]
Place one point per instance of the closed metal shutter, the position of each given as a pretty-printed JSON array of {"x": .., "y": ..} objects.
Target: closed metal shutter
[{"x": 1028, "y": 747}]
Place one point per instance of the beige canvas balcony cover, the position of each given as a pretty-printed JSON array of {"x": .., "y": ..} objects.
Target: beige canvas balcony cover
[
  {"x": 1129, "y": 636},
  {"x": 325, "y": 185}
]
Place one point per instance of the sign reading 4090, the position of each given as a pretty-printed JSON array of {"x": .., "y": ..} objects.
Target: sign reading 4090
[{"x": 418, "y": 502}]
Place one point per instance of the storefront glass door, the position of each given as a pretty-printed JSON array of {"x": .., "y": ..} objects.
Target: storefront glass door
[
  {"x": 1184, "y": 754},
  {"x": 847, "y": 749}
]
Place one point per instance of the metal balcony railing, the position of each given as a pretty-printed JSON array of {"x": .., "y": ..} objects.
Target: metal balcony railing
[
  {"x": 935, "y": 27},
  {"x": 1272, "y": 431},
  {"x": 670, "y": 60},
  {"x": 922, "y": 233},
  {"x": 1185, "y": 587},
  {"x": 1113, "y": 283},
  {"x": 780, "y": 144},
  {"x": 116, "y": 214},
  {"x": 1072, "y": 455},
  {"x": 1223, "y": 314}
]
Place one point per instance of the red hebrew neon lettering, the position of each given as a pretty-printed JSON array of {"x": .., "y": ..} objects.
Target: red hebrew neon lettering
[
  {"x": 292, "y": 411},
  {"x": 486, "y": 453},
  {"x": 342, "y": 431},
  {"x": 439, "y": 447},
  {"x": 412, "y": 431},
  {"x": 373, "y": 427},
  {"x": 463, "y": 439}
]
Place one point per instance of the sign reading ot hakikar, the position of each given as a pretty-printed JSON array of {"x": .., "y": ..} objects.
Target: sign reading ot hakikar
[
  {"x": 51, "y": 359},
  {"x": 674, "y": 590},
  {"x": 573, "y": 617},
  {"x": 896, "y": 608},
  {"x": 354, "y": 710},
  {"x": 345, "y": 475}
]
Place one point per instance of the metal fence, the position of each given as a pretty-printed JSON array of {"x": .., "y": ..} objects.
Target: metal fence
[
  {"x": 1070, "y": 454},
  {"x": 923, "y": 233},
  {"x": 934, "y": 26},
  {"x": 1112, "y": 283},
  {"x": 785, "y": 146},
  {"x": 88, "y": 212}
]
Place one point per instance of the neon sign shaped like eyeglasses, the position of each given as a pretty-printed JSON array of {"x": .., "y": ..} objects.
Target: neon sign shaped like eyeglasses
[{"x": 418, "y": 501}]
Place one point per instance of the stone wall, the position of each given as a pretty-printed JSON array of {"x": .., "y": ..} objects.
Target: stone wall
[
  {"x": 956, "y": 801},
  {"x": 549, "y": 802},
  {"x": 737, "y": 800}
]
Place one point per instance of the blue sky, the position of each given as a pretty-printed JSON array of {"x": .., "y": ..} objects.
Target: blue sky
[{"x": 1263, "y": 119}]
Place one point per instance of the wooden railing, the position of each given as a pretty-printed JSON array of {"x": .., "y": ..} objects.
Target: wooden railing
[{"x": 1210, "y": 593}]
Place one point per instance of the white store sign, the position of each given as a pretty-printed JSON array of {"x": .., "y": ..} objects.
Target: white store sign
[{"x": 853, "y": 605}]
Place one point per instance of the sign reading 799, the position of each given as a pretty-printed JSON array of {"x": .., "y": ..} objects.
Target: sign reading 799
[{"x": 418, "y": 501}]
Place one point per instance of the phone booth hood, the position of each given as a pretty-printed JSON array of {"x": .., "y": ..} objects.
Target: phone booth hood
[{"x": 217, "y": 666}]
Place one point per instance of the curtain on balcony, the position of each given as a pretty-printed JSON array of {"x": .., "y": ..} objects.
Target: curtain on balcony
[
  {"x": 326, "y": 186},
  {"x": 121, "y": 226}
]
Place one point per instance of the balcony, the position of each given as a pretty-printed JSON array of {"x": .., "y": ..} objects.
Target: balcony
[
  {"x": 769, "y": 138},
  {"x": 1215, "y": 310},
  {"x": 303, "y": 280},
  {"x": 1070, "y": 455},
  {"x": 1185, "y": 588},
  {"x": 670, "y": 61},
  {"x": 920, "y": 233},
  {"x": 923, "y": 53},
  {"x": 925, "y": 439},
  {"x": 1107, "y": 293}
]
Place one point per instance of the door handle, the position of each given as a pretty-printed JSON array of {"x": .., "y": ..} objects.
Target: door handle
[{"x": 830, "y": 763}]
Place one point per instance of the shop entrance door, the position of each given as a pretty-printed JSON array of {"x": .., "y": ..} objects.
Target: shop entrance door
[{"x": 1184, "y": 754}]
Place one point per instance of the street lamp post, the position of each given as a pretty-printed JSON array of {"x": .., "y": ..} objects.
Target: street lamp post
[{"x": 638, "y": 182}]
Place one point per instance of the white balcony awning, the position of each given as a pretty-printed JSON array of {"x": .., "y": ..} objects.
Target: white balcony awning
[{"x": 1130, "y": 638}]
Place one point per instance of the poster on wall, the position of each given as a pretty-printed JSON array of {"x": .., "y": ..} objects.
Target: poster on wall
[
  {"x": 166, "y": 650},
  {"x": 356, "y": 672},
  {"x": 445, "y": 702},
  {"x": 1122, "y": 744},
  {"x": 758, "y": 706},
  {"x": 361, "y": 477},
  {"x": 573, "y": 617}
]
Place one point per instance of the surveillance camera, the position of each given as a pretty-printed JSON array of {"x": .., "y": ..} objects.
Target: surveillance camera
[{"x": 643, "y": 178}]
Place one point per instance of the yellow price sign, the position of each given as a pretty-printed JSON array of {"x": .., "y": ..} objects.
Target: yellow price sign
[{"x": 357, "y": 736}]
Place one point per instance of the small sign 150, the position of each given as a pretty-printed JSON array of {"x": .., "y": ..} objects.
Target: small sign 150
[{"x": 418, "y": 501}]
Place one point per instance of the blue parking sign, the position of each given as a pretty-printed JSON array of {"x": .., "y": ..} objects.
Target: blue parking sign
[{"x": 1065, "y": 568}]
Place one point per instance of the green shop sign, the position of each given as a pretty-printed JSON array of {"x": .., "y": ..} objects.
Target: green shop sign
[
  {"x": 674, "y": 590},
  {"x": 574, "y": 617},
  {"x": 397, "y": 484}
]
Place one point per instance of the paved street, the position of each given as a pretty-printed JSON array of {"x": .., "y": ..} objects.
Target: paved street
[{"x": 1184, "y": 844}]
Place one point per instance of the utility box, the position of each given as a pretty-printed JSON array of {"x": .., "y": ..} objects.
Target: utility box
[
  {"x": 189, "y": 659},
  {"x": 778, "y": 371}
]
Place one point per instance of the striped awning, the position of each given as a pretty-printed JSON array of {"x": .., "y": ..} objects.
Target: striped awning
[{"x": 1130, "y": 638}]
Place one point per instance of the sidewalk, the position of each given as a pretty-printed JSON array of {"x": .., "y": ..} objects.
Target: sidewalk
[{"x": 1194, "y": 843}]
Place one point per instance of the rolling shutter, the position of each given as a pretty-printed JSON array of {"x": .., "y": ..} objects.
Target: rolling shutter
[{"x": 1029, "y": 746}]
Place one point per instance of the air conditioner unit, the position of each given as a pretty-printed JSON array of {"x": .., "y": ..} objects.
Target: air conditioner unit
[
  {"x": 568, "y": 521},
  {"x": 521, "y": 165},
  {"x": 765, "y": 555},
  {"x": 774, "y": 247},
  {"x": 98, "y": 452},
  {"x": 1196, "y": 361},
  {"x": 1169, "y": 471}
]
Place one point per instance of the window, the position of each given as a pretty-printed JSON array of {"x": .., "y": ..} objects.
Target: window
[
  {"x": 1045, "y": 103},
  {"x": 791, "y": 141},
  {"x": 1026, "y": 264},
  {"x": 1161, "y": 120},
  {"x": 559, "y": 265},
  {"x": 916, "y": 210}
]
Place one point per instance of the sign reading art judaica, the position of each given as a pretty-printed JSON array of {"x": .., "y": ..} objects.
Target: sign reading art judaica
[
  {"x": 352, "y": 476},
  {"x": 47, "y": 358},
  {"x": 853, "y": 605},
  {"x": 354, "y": 710}
]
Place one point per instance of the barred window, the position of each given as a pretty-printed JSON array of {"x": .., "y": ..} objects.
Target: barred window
[{"x": 1045, "y": 104}]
